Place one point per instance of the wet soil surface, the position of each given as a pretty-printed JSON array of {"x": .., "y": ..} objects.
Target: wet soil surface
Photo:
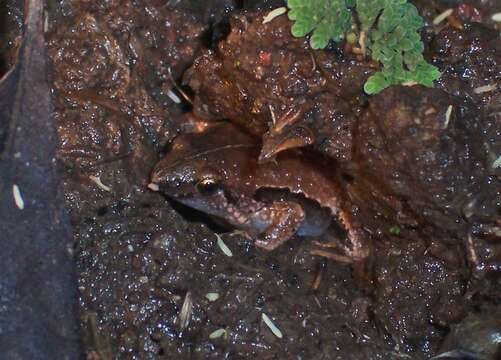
[{"x": 155, "y": 280}]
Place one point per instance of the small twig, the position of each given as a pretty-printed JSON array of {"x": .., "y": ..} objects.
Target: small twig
[
  {"x": 471, "y": 250},
  {"x": 178, "y": 88}
]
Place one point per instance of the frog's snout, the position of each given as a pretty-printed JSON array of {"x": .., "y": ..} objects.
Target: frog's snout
[
  {"x": 156, "y": 179},
  {"x": 170, "y": 182},
  {"x": 153, "y": 186}
]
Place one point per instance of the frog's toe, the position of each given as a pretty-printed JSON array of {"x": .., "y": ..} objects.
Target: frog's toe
[
  {"x": 287, "y": 217},
  {"x": 346, "y": 256}
]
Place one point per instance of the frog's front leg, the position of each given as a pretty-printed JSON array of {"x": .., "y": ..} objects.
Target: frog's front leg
[{"x": 284, "y": 218}]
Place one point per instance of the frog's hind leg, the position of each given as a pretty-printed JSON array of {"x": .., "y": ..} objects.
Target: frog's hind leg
[
  {"x": 355, "y": 251},
  {"x": 286, "y": 218},
  {"x": 348, "y": 258}
]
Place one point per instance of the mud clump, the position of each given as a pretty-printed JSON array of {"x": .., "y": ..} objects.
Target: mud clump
[{"x": 155, "y": 282}]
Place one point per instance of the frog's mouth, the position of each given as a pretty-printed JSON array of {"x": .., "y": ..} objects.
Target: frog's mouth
[
  {"x": 213, "y": 206},
  {"x": 193, "y": 215}
]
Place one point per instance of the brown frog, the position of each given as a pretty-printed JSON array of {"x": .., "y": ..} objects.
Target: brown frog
[{"x": 217, "y": 172}]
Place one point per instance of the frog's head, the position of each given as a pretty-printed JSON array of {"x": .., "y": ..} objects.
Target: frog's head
[
  {"x": 203, "y": 170},
  {"x": 192, "y": 182}
]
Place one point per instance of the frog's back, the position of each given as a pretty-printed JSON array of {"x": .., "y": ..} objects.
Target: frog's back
[
  {"x": 306, "y": 174},
  {"x": 234, "y": 153}
]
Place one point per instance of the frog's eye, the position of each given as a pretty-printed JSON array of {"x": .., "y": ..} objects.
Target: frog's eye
[{"x": 207, "y": 186}]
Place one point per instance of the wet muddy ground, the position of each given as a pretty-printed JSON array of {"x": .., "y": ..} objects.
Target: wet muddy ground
[{"x": 155, "y": 279}]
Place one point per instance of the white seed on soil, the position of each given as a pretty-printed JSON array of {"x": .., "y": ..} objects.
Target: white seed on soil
[
  {"x": 18, "y": 198},
  {"x": 217, "y": 334},
  {"x": 448, "y": 114},
  {"x": 496, "y": 17},
  {"x": 442, "y": 16},
  {"x": 186, "y": 311},
  {"x": 274, "y": 329},
  {"x": 224, "y": 248},
  {"x": 212, "y": 296},
  {"x": 485, "y": 88},
  {"x": 274, "y": 13},
  {"x": 497, "y": 163},
  {"x": 99, "y": 183}
]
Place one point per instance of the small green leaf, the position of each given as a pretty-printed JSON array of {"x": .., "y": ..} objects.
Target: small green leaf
[
  {"x": 323, "y": 33},
  {"x": 395, "y": 230},
  {"x": 293, "y": 14},
  {"x": 301, "y": 28},
  {"x": 325, "y": 20},
  {"x": 392, "y": 35},
  {"x": 407, "y": 45},
  {"x": 375, "y": 83}
]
